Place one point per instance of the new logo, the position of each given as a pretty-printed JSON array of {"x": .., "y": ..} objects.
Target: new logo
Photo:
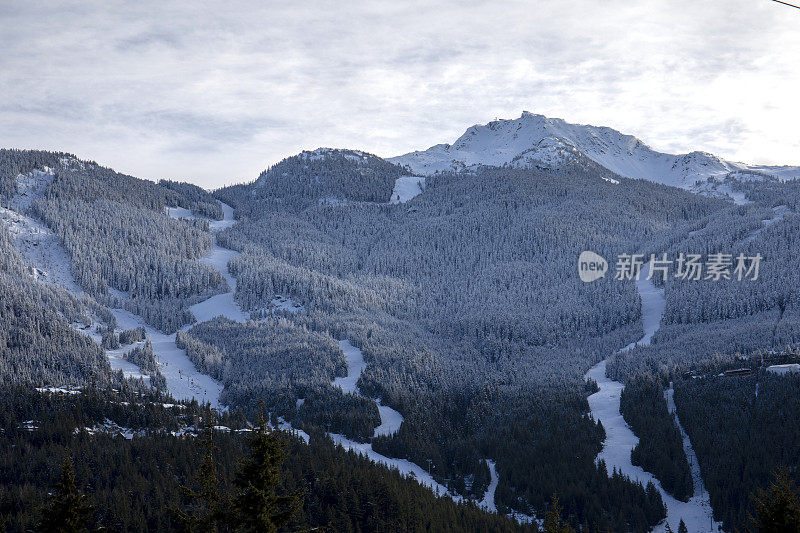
[{"x": 591, "y": 266}]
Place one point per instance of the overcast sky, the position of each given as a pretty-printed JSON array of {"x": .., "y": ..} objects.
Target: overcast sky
[{"x": 213, "y": 92}]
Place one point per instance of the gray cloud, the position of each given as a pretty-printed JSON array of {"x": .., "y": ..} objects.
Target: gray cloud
[{"x": 213, "y": 92}]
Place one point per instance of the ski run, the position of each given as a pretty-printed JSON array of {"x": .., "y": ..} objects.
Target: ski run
[
  {"x": 41, "y": 247},
  {"x": 620, "y": 439}
]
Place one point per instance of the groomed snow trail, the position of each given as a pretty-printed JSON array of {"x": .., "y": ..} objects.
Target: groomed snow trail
[
  {"x": 488, "y": 498},
  {"x": 390, "y": 424},
  {"x": 701, "y": 499},
  {"x": 355, "y": 366},
  {"x": 620, "y": 439},
  {"x": 43, "y": 250}
]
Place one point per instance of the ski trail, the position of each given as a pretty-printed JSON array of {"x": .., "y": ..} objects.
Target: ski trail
[
  {"x": 700, "y": 499},
  {"x": 52, "y": 265},
  {"x": 390, "y": 424},
  {"x": 348, "y": 385},
  {"x": 620, "y": 439},
  {"x": 488, "y": 498}
]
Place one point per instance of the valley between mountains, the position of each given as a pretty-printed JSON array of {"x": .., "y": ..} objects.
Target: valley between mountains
[{"x": 416, "y": 324}]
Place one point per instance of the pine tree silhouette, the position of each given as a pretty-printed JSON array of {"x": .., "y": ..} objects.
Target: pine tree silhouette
[
  {"x": 205, "y": 507},
  {"x": 777, "y": 509},
  {"x": 260, "y": 504},
  {"x": 68, "y": 511},
  {"x": 552, "y": 520}
]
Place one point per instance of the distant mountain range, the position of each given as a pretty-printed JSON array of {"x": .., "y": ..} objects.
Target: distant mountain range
[{"x": 535, "y": 141}]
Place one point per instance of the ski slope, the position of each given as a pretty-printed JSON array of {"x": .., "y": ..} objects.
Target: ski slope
[
  {"x": 390, "y": 424},
  {"x": 620, "y": 439},
  {"x": 42, "y": 249},
  {"x": 406, "y": 188},
  {"x": 488, "y": 499}
]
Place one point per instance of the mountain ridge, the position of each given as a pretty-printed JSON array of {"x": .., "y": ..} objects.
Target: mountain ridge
[{"x": 536, "y": 141}]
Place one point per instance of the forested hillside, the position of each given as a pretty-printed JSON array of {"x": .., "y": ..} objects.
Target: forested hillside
[
  {"x": 35, "y": 318},
  {"x": 464, "y": 302},
  {"x": 116, "y": 233},
  {"x": 467, "y": 308},
  {"x": 136, "y": 456}
]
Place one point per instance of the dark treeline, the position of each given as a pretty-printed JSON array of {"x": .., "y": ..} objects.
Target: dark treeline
[
  {"x": 660, "y": 448},
  {"x": 742, "y": 429},
  {"x": 136, "y": 484}
]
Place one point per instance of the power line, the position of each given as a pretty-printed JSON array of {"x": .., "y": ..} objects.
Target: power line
[{"x": 787, "y": 4}]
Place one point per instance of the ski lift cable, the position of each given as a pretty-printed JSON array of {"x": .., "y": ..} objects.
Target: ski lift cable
[{"x": 787, "y": 4}]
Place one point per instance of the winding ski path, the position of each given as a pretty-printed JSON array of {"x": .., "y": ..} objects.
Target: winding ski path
[{"x": 620, "y": 439}]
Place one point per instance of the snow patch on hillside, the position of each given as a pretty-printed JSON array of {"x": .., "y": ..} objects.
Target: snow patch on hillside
[
  {"x": 406, "y": 188},
  {"x": 180, "y": 212}
]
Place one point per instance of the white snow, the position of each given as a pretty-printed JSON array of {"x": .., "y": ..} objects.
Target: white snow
[
  {"x": 620, "y": 439},
  {"x": 286, "y": 426},
  {"x": 488, "y": 499},
  {"x": 117, "y": 361},
  {"x": 653, "y": 305},
  {"x": 227, "y": 218},
  {"x": 535, "y": 140},
  {"x": 790, "y": 368},
  {"x": 407, "y": 468},
  {"x": 355, "y": 366},
  {"x": 58, "y": 390},
  {"x": 180, "y": 212},
  {"x": 220, "y": 304},
  {"x": 184, "y": 381},
  {"x": 406, "y": 188},
  {"x": 390, "y": 421}
]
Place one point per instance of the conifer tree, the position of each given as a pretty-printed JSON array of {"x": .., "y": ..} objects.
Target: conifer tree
[
  {"x": 261, "y": 505},
  {"x": 682, "y": 527},
  {"x": 68, "y": 510},
  {"x": 552, "y": 520},
  {"x": 205, "y": 507},
  {"x": 777, "y": 509}
]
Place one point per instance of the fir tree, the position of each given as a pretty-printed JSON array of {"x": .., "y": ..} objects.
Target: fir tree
[
  {"x": 68, "y": 510},
  {"x": 205, "y": 508},
  {"x": 777, "y": 509},
  {"x": 260, "y": 504},
  {"x": 682, "y": 527},
  {"x": 552, "y": 520}
]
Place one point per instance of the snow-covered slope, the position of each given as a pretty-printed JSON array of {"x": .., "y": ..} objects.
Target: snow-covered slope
[{"x": 537, "y": 141}]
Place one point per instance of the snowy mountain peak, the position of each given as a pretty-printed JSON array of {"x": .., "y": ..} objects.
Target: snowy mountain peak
[{"x": 534, "y": 140}]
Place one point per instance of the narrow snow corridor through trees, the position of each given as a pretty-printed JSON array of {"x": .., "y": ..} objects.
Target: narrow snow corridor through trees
[
  {"x": 390, "y": 424},
  {"x": 620, "y": 439}
]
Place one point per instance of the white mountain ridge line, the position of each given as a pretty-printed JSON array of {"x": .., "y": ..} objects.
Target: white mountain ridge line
[{"x": 537, "y": 141}]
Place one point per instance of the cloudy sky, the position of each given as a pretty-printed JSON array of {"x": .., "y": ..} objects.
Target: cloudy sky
[{"x": 213, "y": 92}]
